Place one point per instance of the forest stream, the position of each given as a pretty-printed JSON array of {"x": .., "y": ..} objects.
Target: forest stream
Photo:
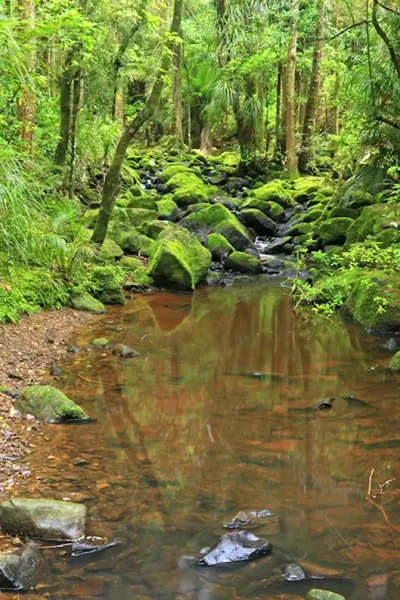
[{"x": 219, "y": 414}]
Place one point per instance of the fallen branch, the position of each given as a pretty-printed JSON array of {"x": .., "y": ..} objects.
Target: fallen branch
[{"x": 370, "y": 497}]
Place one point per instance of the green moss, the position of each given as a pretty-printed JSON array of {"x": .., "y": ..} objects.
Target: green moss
[
  {"x": 153, "y": 228},
  {"x": 174, "y": 169},
  {"x": 109, "y": 251},
  {"x": 373, "y": 220},
  {"x": 258, "y": 221},
  {"x": 130, "y": 262},
  {"x": 313, "y": 215},
  {"x": 179, "y": 261},
  {"x": 87, "y": 303},
  {"x": 343, "y": 212},
  {"x": 242, "y": 262},
  {"x": 90, "y": 217},
  {"x": 388, "y": 237},
  {"x": 333, "y": 231},
  {"x": 101, "y": 342},
  {"x": 138, "y": 216},
  {"x": 106, "y": 284},
  {"x": 183, "y": 180},
  {"x": 189, "y": 189},
  {"x": 302, "y": 229},
  {"x": 141, "y": 276},
  {"x": 306, "y": 188},
  {"x": 271, "y": 209},
  {"x": 194, "y": 208},
  {"x": 49, "y": 404},
  {"x": 274, "y": 191},
  {"x": 323, "y": 595},
  {"x": 166, "y": 207},
  {"x": 217, "y": 219},
  {"x": 227, "y": 162},
  {"x": 218, "y": 245},
  {"x": 131, "y": 240},
  {"x": 395, "y": 362},
  {"x": 145, "y": 202}
]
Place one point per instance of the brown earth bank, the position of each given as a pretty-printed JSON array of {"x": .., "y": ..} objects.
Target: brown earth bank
[{"x": 27, "y": 350}]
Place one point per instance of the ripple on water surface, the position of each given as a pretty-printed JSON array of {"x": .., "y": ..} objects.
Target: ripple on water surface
[{"x": 214, "y": 417}]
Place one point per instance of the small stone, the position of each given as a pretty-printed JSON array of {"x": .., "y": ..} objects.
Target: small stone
[
  {"x": 124, "y": 351},
  {"x": 293, "y": 572},
  {"x": 101, "y": 342},
  {"x": 237, "y": 546}
]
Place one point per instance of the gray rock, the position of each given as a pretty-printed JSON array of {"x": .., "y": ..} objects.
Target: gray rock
[
  {"x": 293, "y": 572},
  {"x": 43, "y": 519},
  {"x": 245, "y": 518},
  {"x": 124, "y": 351},
  {"x": 18, "y": 571},
  {"x": 233, "y": 547},
  {"x": 91, "y": 545}
]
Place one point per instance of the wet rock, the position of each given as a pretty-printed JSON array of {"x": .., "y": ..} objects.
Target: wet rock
[
  {"x": 325, "y": 404},
  {"x": 91, "y": 545},
  {"x": 391, "y": 345},
  {"x": 258, "y": 221},
  {"x": 43, "y": 519},
  {"x": 124, "y": 351},
  {"x": 46, "y": 403},
  {"x": 11, "y": 392},
  {"x": 323, "y": 595},
  {"x": 278, "y": 245},
  {"x": 73, "y": 349},
  {"x": 18, "y": 571},
  {"x": 293, "y": 572},
  {"x": 236, "y": 183},
  {"x": 55, "y": 370},
  {"x": 272, "y": 264},
  {"x": 233, "y": 547},
  {"x": 245, "y": 518}
]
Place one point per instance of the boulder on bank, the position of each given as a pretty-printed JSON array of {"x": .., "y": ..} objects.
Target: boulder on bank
[
  {"x": 18, "y": 570},
  {"x": 138, "y": 216},
  {"x": 43, "y": 519},
  {"x": 218, "y": 246},
  {"x": 274, "y": 191},
  {"x": 179, "y": 261},
  {"x": 166, "y": 207},
  {"x": 188, "y": 188},
  {"x": 258, "y": 221},
  {"x": 270, "y": 208},
  {"x": 374, "y": 220},
  {"x": 49, "y": 404},
  {"x": 106, "y": 284},
  {"x": 306, "y": 188},
  {"x": 87, "y": 303},
  {"x": 243, "y": 263},
  {"x": 334, "y": 231},
  {"x": 131, "y": 240}
]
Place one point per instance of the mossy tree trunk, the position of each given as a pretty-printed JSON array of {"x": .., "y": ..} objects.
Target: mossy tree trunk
[
  {"x": 177, "y": 124},
  {"x": 26, "y": 107},
  {"x": 113, "y": 175},
  {"x": 65, "y": 112},
  {"x": 278, "y": 118},
  {"x": 290, "y": 107},
  {"x": 306, "y": 152},
  {"x": 76, "y": 107}
]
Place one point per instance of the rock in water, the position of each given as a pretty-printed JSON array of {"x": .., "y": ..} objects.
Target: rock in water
[
  {"x": 235, "y": 547},
  {"x": 293, "y": 572},
  {"x": 91, "y": 545},
  {"x": 124, "y": 351},
  {"x": 323, "y": 595},
  {"x": 43, "y": 519},
  {"x": 245, "y": 518},
  {"x": 47, "y": 403},
  {"x": 18, "y": 571}
]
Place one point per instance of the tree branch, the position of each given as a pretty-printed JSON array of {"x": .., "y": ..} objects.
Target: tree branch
[
  {"x": 392, "y": 10},
  {"x": 386, "y": 39},
  {"x": 388, "y": 121},
  {"x": 364, "y": 22}
]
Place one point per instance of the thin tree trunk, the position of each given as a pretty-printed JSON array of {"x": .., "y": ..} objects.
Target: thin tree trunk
[
  {"x": 119, "y": 107},
  {"x": 76, "y": 106},
  {"x": 336, "y": 107},
  {"x": 394, "y": 55},
  {"x": 206, "y": 144},
  {"x": 177, "y": 94},
  {"x": 278, "y": 119},
  {"x": 65, "y": 113},
  {"x": 27, "y": 100},
  {"x": 113, "y": 175},
  {"x": 306, "y": 152},
  {"x": 290, "y": 108}
]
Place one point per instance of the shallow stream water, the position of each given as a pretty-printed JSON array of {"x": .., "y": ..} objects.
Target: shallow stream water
[{"x": 214, "y": 417}]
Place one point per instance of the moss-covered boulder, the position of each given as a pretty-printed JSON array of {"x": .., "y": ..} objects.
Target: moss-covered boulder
[
  {"x": 302, "y": 229},
  {"x": 217, "y": 219},
  {"x": 313, "y": 215},
  {"x": 179, "y": 261},
  {"x": 341, "y": 211},
  {"x": 141, "y": 277},
  {"x": 306, "y": 188},
  {"x": 109, "y": 251},
  {"x": 166, "y": 207},
  {"x": 90, "y": 217},
  {"x": 143, "y": 202},
  {"x": 274, "y": 191},
  {"x": 46, "y": 403},
  {"x": 174, "y": 169},
  {"x": 195, "y": 208},
  {"x": 106, "y": 284},
  {"x": 153, "y": 228},
  {"x": 218, "y": 246},
  {"x": 130, "y": 262},
  {"x": 334, "y": 231},
  {"x": 53, "y": 520},
  {"x": 323, "y": 595},
  {"x": 131, "y": 240},
  {"x": 373, "y": 220},
  {"x": 258, "y": 221},
  {"x": 138, "y": 216},
  {"x": 87, "y": 303},
  {"x": 189, "y": 189},
  {"x": 243, "y": 263},
  {"x": 395, "y": 362},
  {"x": 226, "y": 162},
  {"x": 271, "y": 209}
]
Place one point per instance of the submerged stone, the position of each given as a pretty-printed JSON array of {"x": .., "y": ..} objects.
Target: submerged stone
[
  {"x": 293, "y": 572},
  {"x": 124, "y": 351},
  {"x": 49, "y": 404},
  {"x": 245, "y": 518},
  {"x": 91, "y": 545},
  {"x": 323, "y": 595},
  {"x": 43, "y": 519},
  {"x": 101, "y": 342},
  {"x": 18, "y": 571},
  {"x": 233, "y": 547}
]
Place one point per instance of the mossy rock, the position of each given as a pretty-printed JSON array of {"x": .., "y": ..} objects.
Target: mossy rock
[
  {"x": 183, "y": 180},
  {"x": 40, "y": 518},
  {"x": 87, "y": 303},
  {"x": 109, "y": 251},
  {"x": 258, "y": 221},
  {"x": 334, "y": 231},
  {"x": 395, "y": 362},
  {"x": 323, "y": 595},
  {"x": 274, "y": 191},
  {"x": 195, "y": 208},
  {"x": 119, "y": 214},
  {"x": 218, "y": 245},
  {"x": 152, "y": 229},
  {"x": 46, "y": 403},
  {"x": 129, "y": 175},
  {"x": 147, "y": 163},
  {"x": 138, "y": 216},
  {"x": 144, "y": 202},
  {"x": 130, "y": 262},
  {"x": 166, "y": 207},
  {"x": 388, "y": 237},
  {"x": 179, "y": 261},
  {"x": 271, "y": 209},
  {"x": 357, "y": 199},
  {"x": 106, "y": 284},
  {"x": 217, "y": 219},
  {"x": 174, "y": 169},
  {"x": 131, "y": 240},
  {"x": 141, "y": 277},
  {"x": 227, "y": 162},
  {"x": 90, "y": 217},
  {"x": 341, "y": 211},
  {"x": 243, "y": 263},
  {"x": 306, "y": 188},
  {"x": 372, "y": 221},
  {"x": 302, "y": 229},
  {"x": 313, "y": 215},
  {"x": 101, "y": 342}
]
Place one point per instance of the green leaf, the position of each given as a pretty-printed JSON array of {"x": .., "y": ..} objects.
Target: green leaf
[{"x": 323, "y": 595}]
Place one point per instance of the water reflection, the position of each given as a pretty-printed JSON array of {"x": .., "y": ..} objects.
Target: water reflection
[{"x": 213, "y": 418}]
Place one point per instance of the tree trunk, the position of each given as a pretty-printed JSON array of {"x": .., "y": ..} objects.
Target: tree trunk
[
  {"x": 177, "y": 126},
  {"x": 65, "y": 113},
  {"x": 119, "y": 107},
  {"x": 394, "y": 54},
  {"x": 306, "y": 152},
  {"x": 113, "y": 175},
  {"x": 27, "y": 100},
  {"x": 206, "y": 144},
  {"x": 336, "y": 107},
  {"x": 278, "y": 118},
  {"x": 76, "y": 106},
  {"x": 290, "y": 108}
]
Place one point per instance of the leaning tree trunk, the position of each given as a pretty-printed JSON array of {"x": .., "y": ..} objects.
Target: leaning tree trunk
[
  {"x": 65, "y": 113},
  {"x": 290, "y": 108},
  {"x": 177, "y": 125},
  {"x": 306, "y": 152},
  {"x": 390, "y": 45},
  {"x": 27, "y": 101},
  {"x": 113, "y": 175}
]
